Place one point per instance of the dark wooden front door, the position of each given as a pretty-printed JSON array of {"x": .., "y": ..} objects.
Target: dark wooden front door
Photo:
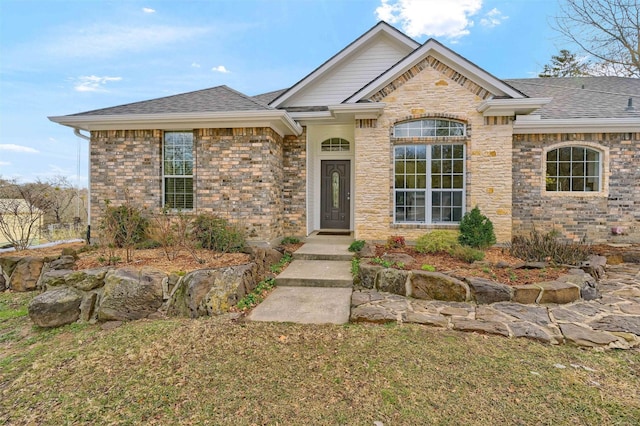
[{"x": 335, "y": 204}]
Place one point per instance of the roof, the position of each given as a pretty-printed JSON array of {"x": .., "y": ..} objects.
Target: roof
[
  {"x": 583, "y": 97},
  {"x": 215, "y": 99}
]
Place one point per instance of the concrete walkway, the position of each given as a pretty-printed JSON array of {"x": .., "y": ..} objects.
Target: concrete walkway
[
  {"x": 612, "y": 321},
  {"x": 315, "y": 288}
]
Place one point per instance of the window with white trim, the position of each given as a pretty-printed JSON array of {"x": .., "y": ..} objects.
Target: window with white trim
[
  {"x": 335, "y": 144},
  {"x": 177, "y": 168},
  {"x": 429, "y": 127},
  {"x": 429, "y": 183},
  {"x": 573, "y": 169}
]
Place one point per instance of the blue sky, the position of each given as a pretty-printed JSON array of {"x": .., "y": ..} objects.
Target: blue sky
[{"x": 60, "y": 57}]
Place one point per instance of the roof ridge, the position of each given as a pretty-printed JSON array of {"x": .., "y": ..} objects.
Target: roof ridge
[{"x": 247, "y": 97}]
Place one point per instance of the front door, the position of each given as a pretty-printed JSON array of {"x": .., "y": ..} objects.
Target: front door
[{"x": 335, "y": 190}]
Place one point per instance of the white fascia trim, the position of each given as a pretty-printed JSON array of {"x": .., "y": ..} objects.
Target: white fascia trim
[
  {"x": 448, "y": 57},
  {"x": 278, "y": 120},
  {"x": 534, "y": 124},
  {"x": 511, "y": 107},
  {"x": 318, "y": 72},
  {"x": 341, "y": 112}
]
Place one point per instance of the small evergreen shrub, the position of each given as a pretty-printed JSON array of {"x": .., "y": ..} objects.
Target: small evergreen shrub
[
  {"x": 216, "y": 233},
  {"x": 356, "y": 246},
  {"x": 466, "y": 253},
  {"x": 437, "y": 241},
  {"x": 476, "y": 230},
  {"x": 538, "y": 247}
]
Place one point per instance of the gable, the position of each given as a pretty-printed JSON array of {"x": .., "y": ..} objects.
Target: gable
[{"x": 353, "y": 67}]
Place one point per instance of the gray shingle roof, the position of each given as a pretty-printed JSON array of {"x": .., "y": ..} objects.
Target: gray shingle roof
[
  {"x": 583, "y": 97},
  {"x": 266, "y": 98},
  {"x": 215, "y": 99}
]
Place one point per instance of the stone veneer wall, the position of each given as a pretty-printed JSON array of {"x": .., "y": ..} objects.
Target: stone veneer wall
[
  {"x": 248, "y": 175},
  {"x": 432, "y": 90},
  {"x": 124, "y": 163},
  {"x": 578, "y": 215},
  {"x": 294, "y": 187}
]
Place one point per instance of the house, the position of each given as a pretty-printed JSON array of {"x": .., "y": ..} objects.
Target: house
[{"x": 387, "y": 137}]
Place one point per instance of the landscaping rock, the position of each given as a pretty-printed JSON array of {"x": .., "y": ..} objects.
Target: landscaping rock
[
  {"x": 368, "y": 250},
  {"x": 26, "y": 274},
  {"x": 558, "y": 292},
  {"x": 534, "y": 314},
  {"x": 526, "y": 294},
  {"x": 587, "y": 284},
  {"x": 130, "y": 294},
  {"x": 398, "y": 258},
  {"x": 375, "y": 314},
  {"x": 622, "y": 323},
  {"x": 594, "y": 266},
  {"x": 583, "y": 336},
  {"x": 88, "y": 279},
  {"x": 263, "y": 259},
  {"x": 487, "y": 327},
  {"x": 631, "y": 257},
  {"x": 360, "y": 298},
  {"x": 63, "y": 262},
  {"x": 485, "y": 291},
  {"x": 533, "y": 332},
  {"x": 368, "y": 274},
  {"x": 3, "y": 282},
  {"x": 53, "y": 278},
  {"x": 87, "y": 306},
  {"x": 434, "y": 320},
  {"x": 8, "y": 264},
  {"x": 212, "y": 291},
  {"x": 437, "y": 286},
  {"x": 111, "y": 325},
  {"x": 392, "y": 281},
  {"x": 56, "y": 307}
]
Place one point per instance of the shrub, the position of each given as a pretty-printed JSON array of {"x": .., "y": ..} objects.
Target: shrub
[
  {"x": 427, "y": 267},
  {"x": 355, "y": 267},
  {"x": 540, "y": 247},
  {"x": 466, "y": 253},
  {"x": 356, "y": 246},
  {"x": 476, "y": 230},
  {"x": 395, "y": 241},
  {"x": 289, "y": 240},
  {"x": 125, "y": 225},
  {"x": 216, "y": 233},
  {"x": 435, "y": 241}
]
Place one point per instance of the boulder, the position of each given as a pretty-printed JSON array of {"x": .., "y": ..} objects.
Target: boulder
[
  {"x": 87, "y": 306},
  {"x": 587, "y": 284},
  {"x": 583, "y": 336},
  {"x": 526, "y": 294},
  {"x": 437, "y": 286},
  {"x": 88, "y": 279},
  {"x": 130, "y": 294},
  {"x": 375, "y": 314},
  {"x": 403, "y": 258},
  {"x": 56, "y": 307},
  {"x": 558, "y": 292},
  {"x": 631, "y": 257},
  {"x": 621, "y": 323},
  {"x": 26, "y": 274},
  {"x": 594, "y": 265},
  {"x": 264, "y": 258},
  {"x": 53, "y": 278},
  {"x": 485, "y": 291},
  {"x": 3, "y": 282},
  {"x": 212, "y": 291},
  {"x": 367, "y": 274},
  {"x": 8, "y": 264},
  {"x": 368, "y": 250},
  {"x": 392, "y": 281},
  {"x": 63, "y": 262}
]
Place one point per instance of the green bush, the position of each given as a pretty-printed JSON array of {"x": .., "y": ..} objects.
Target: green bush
[
  {"x": 437, "y": 241},
  {"x": 125, "y": 225},
  {"x": 289, "y": 240},
  {"x": 476, "y": 230},
  {"x": 429, "y": 268},
  {"x": 216, "y": 233},
  {"x": 466, "y": 253},
  {"x": 540, "y": 247},
  {"x": 356, "y": 246}
]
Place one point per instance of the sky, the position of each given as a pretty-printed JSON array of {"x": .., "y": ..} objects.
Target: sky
[{"x": 60, "y": 57}]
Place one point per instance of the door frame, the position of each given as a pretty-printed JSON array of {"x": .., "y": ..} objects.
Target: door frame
[{"x": 345, "y": 197}]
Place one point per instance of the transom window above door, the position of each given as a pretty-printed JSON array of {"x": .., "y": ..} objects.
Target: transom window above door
[
  {"x": 335, "y": 144},
  {"x": 429, "y": 127}
]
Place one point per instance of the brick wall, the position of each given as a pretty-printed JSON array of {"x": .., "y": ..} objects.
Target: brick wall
[
  {"x": 432, "y": 90},
  {"x": 294, "y": 187},
  {"x": 578, "y": 215}
]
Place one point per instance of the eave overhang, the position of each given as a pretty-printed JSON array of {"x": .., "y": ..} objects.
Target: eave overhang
[
  {"x": 341, "y": 113},
  {"x": 536, "y": 125},
  {"x": 278, "y": 120},
  {"x": 511, "y": 107}
]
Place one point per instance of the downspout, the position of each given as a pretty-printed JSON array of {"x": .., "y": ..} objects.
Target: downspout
[{"x": 76, "y": 132}]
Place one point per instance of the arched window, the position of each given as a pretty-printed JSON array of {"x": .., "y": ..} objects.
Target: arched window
[
  {"x": 429, "y": 127},
  {"x": 335, "y": 144},
  {"x": 573, "y": 169}
]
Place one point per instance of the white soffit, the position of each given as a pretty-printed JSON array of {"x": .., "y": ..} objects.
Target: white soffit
[{"x": 511, "y": 107}]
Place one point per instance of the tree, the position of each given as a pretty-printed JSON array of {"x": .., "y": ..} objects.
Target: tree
[
  {"x": 566, "y": 64},
  {"x": 607, "y": 30},
  {"x": 21, "y": 210}
]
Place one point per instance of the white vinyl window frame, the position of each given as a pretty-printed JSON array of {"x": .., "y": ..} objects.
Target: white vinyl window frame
[{"x": 178, "y": 192}]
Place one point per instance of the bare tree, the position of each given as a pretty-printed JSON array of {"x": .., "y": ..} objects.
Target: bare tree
[
  {"x": 62, "y": 194},
  {"x": 607, "y": 30},
  {"x": 21, "y": 210}
]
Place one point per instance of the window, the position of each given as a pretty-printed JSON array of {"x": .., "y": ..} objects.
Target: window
[
  {"x": 335, "y": 144},
  {"x": 429, "y": 128},
  {"x": 178, "y": 170},
  {"x": 429, "y": 183},
  {"x": 574, "y": 169}
]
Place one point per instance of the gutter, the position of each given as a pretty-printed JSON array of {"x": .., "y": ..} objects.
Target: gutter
[
  {"x": 535, "y": 124},
  {"x": 76, "y": 132}
]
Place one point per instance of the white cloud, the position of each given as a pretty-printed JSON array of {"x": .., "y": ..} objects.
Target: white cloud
[
  {"x": 433, "y": 18},
  {"x": 220, "y": 68},
  {"x": 5, "y": 163},
  {"x": 195, "y": 65},
  {"x": 493, "y": 18},
  {"x": 93, "y": 83},
  {"x": 18, "y": 148},
  {"x": 148, "y": 10}
]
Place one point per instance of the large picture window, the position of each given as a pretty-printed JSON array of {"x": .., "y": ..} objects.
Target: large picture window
[
  {"x": 429, "y": 183},
  {"x": 573, "y": 169},
  {"x": 178, "y": 170}
]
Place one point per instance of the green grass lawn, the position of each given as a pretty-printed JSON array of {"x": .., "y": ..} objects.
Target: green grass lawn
[{"x": 217, "y": 371}]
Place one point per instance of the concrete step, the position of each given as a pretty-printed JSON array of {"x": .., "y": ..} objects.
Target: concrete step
[
  {"x": 305, "y": 305},
  {"x": 317, "y": 250},
  {"x": 316, "y": 273}
]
